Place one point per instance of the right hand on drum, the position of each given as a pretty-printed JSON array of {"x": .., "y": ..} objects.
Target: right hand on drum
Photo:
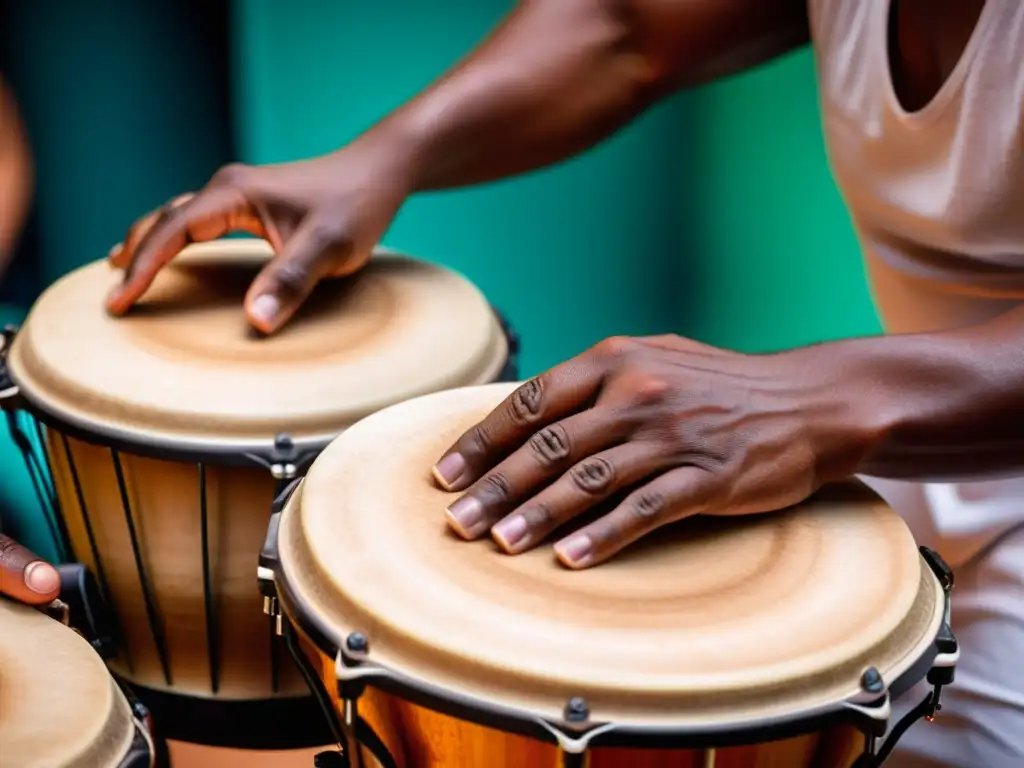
[
  {"x": 25, "y": 577},
  {"x": 322, "y": 217}
]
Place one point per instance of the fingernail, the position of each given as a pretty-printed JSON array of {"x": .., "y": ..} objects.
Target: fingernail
[
  {"x": 41, "y": 577},
  {"x": 449, "y": 469},
  {"x": 575, "y": 549},
  {"x": 115, "y": 250},
  {"x": 265, "y": 308},
  {"x": 466, "y": 512},
  {"x": 510, "y": 531}
]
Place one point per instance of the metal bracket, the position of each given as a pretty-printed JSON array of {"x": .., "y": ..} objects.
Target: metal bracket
[
  {"x": 87, "y": 611},
  {"x": 10, "y": 393},
  {"x": 941, "y": 673}
]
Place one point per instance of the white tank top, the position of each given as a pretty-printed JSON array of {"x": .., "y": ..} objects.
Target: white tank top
[{"x": 937, "y": 200}]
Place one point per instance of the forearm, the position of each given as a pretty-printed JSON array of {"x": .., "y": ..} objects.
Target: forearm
[
  {"x": 15, "y": 175},
  {"x": 945, "y": 406},
  {"x": 558, "y": 76}
]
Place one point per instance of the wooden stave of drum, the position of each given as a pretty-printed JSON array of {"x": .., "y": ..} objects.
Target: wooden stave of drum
[
  {"x": 315, "y": 650},
  {"x": 257, "y": 468}
]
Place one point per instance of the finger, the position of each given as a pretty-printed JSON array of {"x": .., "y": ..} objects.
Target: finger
[
  {"x": 285, "y": 283},
  {"x": 589, "y": 482},
  {"x": 680, "y": 493},
  {"x": 207, "y": 216},
  {"x": 560, "y": 392},
  {"x": 120, "y": 256},
  {"x": 542, "y": 459},
  {"x": 24, "y": 576}
]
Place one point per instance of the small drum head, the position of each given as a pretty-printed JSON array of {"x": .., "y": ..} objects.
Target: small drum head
[
  {"x": 184, "y": 366},
  {"x": 708, "y": 623},
  {"x": 58, "y": 704}
]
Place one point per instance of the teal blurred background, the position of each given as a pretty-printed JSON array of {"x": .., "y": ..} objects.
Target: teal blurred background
[{"x": 714, "y": 216}]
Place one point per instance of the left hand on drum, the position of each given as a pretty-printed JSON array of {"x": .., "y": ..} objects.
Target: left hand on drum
[
  {"x": 24, "y": 577},
  {"x": 663, "y": 428}
]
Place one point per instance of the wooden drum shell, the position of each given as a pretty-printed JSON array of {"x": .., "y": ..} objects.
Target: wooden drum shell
[
  {"x": 166, "y": 511},
  {"x": 754, "y": 633},
  {"x": 418, "y": 737}
]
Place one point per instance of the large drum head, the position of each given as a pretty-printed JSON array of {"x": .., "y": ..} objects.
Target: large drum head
[
  {"x": 185, "y": 367},
  {"x": 710, "y": 622},
  {"x": 58, "y": 704}
]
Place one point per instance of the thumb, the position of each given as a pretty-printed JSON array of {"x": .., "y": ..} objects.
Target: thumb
[{"x": 285, "y": 283}]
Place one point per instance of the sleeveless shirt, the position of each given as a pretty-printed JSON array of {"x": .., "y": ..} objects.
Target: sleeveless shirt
[{"x": 936, "y": 197}]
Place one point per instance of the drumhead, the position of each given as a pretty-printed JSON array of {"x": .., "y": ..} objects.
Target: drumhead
[
  {"x": 58, "y": 704},
  {"x": 711, "y": 621},
  {"x": 184, "y": 367}
]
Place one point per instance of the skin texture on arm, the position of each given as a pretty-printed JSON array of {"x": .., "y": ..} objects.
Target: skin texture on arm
[
  {"x": 651, "y": 430},
  {"x": 555, "y": 78},
  {"x": 949, "y": 406},
  {"x": 16, "y": 177},
  {"x": 561, "y": 75}
]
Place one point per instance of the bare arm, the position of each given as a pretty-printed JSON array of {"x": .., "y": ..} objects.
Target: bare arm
[
  {"x": 558, "y": 76},
  {"x": 552, "y": 80},
  {"x": 943, "y": 406},
  {"x": 15, "y": 175}
]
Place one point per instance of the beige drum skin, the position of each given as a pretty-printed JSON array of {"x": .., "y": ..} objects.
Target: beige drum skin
[
  {"x": 160, "y": 430},
  {"x": 59, "y": 706},
  {"x": 712, "y": 624}
]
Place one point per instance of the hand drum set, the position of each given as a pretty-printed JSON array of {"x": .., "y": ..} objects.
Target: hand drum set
[{"x": 257, "y": 555}]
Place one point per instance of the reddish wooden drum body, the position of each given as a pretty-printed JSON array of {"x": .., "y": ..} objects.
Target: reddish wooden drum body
[{"x": 714, "y": 623}]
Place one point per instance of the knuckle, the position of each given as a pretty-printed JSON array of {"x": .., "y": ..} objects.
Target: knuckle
[
  {"x": 595, "y": 476},
  {"x": 538, "y": 516},
  {"x": 614, "y": 347},
  {"x": 527, "y": 402},
  {"x": 494, "y": 487},
  {"x": 291, "y": 278},
  {"x": 647, "y": 504},
  {"x": 649, "y": 389},
  {"x": 231, "y": 175},
  {"x": 550, "y": 445},
  {"x": 8, "y": 548},
  {"x": 326, "y": 234},
  {"x": 478, "y": 441}
]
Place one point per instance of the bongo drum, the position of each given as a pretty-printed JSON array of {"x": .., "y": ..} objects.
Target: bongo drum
[
  {"x": 169, "y": 432},
  {"x": 59, "y": 706},
  {"x": 775, "y": 641}
]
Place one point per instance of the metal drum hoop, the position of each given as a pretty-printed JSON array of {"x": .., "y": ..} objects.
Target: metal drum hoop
[
  {"x": 575, "y": 733},
  {"x": 259, "y": 724}
]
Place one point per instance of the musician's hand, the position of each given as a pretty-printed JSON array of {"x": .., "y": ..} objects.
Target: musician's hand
[
  {"x": 24, "y": 576},
  {"x": 661, "y": 428},
  {"x": 322, "y": 217}
]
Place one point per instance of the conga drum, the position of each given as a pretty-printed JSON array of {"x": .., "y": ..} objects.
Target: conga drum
[
  {"x": 169, "y": 432},
  {"x": 59, "y": 706},
  {"x": 768, "y": 641}
]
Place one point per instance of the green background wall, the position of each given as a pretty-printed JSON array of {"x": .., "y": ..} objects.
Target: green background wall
[
  {"x": 714, "y": 216},
  {"x": 125, "y": 107},
  {"x": 572, "y": 254}
]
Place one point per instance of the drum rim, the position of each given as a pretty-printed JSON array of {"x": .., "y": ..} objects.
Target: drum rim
[
  {"x": 869, "y": 713},
  {"x": 124, "y": 736},
  {"x": 220, "y": 452}
]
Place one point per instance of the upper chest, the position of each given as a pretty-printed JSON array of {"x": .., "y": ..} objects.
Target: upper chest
[
  {"x": 925, "y": 40},
  {"x": 922, "y": 106}
]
